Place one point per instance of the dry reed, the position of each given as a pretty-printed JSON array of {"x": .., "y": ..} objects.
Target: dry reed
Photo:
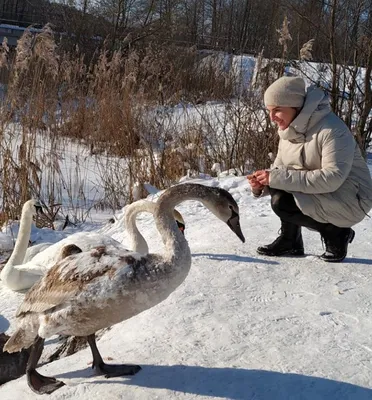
[{"x": 119, "y": 109}]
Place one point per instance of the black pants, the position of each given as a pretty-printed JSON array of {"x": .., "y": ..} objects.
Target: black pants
[{"x": 285, "y": 207}]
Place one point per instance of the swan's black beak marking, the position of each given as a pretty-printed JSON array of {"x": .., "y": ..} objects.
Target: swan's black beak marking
[
  {"x": 181, "y": 226},
  {"x": 39, "y": 210},
  {"x": 234, "y": 225}
]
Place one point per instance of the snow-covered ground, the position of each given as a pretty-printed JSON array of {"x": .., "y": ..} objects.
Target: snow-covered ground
[{"x": 242, "y": 326}]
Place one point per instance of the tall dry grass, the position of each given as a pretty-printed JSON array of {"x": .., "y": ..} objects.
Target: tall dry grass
[{"x": 120, "y": 108}]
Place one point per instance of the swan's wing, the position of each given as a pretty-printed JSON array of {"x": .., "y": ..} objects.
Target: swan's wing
[
  {"x": 47, "y": 258},
  {"x": 31, "y": 268},
  {"x": 88, "y": 275},
  {"x": 34, "y": 250}
]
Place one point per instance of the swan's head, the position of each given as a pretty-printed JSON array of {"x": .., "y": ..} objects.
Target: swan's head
[
  {"x": 68, "y": 250},
  {"x": 32, "y": 207},
  {"x": 224, "y": 207},
  {"x": 179, "y": 219}
]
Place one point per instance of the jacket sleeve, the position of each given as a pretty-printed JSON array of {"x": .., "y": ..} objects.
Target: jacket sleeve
[{"x": 337, "y": 153}]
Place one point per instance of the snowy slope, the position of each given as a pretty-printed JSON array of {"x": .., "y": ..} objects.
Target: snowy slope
[{"x": 242, "y": 326}]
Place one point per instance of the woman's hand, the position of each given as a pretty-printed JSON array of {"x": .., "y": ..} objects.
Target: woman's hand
[
  {"x": 256, "y": 186},
  {"x": 262, "y": 177},
  {"x": 254, "y": 182}
]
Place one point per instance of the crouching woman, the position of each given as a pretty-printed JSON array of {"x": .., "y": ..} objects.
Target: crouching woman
[{"x": 319, "y": 179}]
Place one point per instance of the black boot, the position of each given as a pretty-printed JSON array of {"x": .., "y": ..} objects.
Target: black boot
[
  {"x": 336, "y": 240},
  {"x": 288, "y": 243}
]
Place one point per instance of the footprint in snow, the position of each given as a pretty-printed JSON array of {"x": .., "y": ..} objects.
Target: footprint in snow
[{"x": 323, "y": 313}]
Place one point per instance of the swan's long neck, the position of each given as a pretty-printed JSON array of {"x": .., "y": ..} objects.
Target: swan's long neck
[
  {"x": 22, "y": 241},
  {"x": 177, "y": 248},
  {"x": 138, "y": 242},
  {"x": 10, "y": 276}
]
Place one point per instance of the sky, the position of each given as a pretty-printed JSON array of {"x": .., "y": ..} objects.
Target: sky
[{"x": 241, "y": 326}]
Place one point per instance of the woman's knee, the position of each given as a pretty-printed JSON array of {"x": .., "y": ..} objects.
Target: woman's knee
[
  {"x": 280, "y": 201},
  {"x": 276, "y": 200}
]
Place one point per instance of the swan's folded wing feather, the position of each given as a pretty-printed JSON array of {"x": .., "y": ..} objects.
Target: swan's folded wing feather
[
  {"x": 31, "y": 268},
  {"x": 35, "y": 250},
  {"x": 70, "y": 278},
  {"x": 46, "y": 302},
  {"x": 42, "y": 262},
  {"x": 50, "y": 291},
  {"x": 47, "y": 258}
]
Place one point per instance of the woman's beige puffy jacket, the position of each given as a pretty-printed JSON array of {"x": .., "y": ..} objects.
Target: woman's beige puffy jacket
[{"x": 320, "y": 163}]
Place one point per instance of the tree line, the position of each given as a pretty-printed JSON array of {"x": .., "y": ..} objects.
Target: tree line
[
  {"x": 339, "y": 31},
  {"x": 342, "y": 29}
]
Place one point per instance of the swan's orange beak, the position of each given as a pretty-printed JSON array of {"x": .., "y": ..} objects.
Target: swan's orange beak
[{"x": 181, "y": 227}]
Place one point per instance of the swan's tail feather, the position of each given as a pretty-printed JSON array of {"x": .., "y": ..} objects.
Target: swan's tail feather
[{"x": 20, "y": 339}]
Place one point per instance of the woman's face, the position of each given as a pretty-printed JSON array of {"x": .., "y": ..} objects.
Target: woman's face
[{"x": 282, "y": 116}]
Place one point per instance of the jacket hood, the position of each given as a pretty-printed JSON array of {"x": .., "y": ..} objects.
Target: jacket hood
[{"x": 315, "y": 108}]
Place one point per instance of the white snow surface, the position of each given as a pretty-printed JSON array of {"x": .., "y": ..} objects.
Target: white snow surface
[{"x": 241, "y": 326}]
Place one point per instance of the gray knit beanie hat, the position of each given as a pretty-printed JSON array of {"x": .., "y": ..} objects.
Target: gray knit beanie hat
[{"x": 287, "y": 91}]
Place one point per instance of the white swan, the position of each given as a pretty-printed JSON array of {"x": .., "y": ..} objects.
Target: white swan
[
  {"x": 20, "y": 275},
  {"x": 92, "y": 290},
  {"x": 137, "y": 242},
  {"x": 10, "y": 275}
]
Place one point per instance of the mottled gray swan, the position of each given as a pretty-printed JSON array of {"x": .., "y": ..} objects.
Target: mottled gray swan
[{"x": 92, "y": 290}]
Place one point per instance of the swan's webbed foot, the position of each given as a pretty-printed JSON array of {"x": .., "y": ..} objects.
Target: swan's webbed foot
[
  {"x": 110, "y": 371},
  {"x": 38, "y": 383},
  {"x": 41, "y": 384}
]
